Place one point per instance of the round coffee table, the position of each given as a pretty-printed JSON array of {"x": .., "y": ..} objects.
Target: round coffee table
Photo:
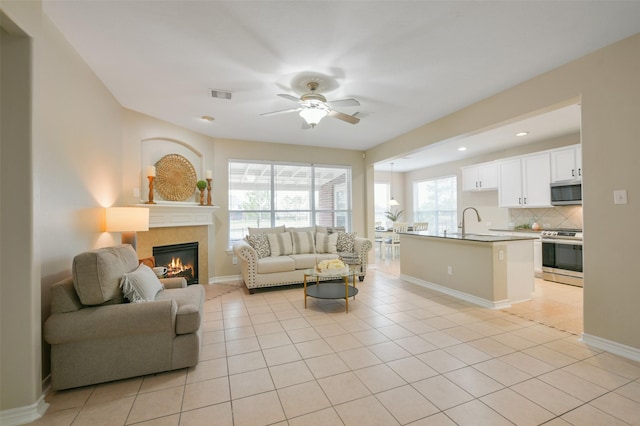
[{"x": 321, "y": 290}]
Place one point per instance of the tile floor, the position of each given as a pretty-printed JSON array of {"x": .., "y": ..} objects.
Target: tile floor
[{"x": 402, "y": 355}]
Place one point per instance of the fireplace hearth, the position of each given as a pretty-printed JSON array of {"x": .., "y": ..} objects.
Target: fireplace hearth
[{"x": 181, "y": 260}]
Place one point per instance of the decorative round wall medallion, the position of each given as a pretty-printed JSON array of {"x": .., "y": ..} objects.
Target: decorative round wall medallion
[{"x": 175, "y": 178}]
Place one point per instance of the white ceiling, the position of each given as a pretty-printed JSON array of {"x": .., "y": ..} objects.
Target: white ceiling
[{"x": 407, "y": 62}]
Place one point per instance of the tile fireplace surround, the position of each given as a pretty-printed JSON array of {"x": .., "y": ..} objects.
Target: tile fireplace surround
[{"x": 177, "y": 223}]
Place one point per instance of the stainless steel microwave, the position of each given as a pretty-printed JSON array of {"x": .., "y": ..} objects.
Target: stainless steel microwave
[{"x": 566, "y": 193}]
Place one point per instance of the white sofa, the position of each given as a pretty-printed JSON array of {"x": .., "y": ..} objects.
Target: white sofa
[{"x": 285, "y": 264}]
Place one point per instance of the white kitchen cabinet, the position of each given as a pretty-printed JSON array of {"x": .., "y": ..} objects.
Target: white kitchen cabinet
[
  {"x": 480, "y": 177},
  {"x": 566, "y": 164},
  {"x": 524, "y": 181}
]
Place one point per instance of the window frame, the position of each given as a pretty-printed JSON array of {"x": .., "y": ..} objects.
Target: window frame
[{"x": 435, "y": 227}]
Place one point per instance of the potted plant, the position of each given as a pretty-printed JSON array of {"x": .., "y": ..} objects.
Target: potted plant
[
  {"x": 201, "y": 185},
  {"x": 393, "y": 215}
]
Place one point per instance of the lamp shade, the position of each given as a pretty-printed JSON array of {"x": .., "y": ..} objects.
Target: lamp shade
[
  {"x": 312, "y": 115},
  {"x": 393, "y": 202},
  {"x": 127, "y": 219}
]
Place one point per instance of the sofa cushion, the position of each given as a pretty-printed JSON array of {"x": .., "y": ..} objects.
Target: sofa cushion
[
  {"x": 141, "y": 285},
  {"x": 189, "y": 301},
  {"x": 97, "y": 273},
  {"x": 276, "y": 264},
  {"x": 303, "y": 242},
  {"x": 308, "y": 261},
  {"x": 275, "y": 230},
  {"x": 280, "y": 244},
  {"x": 326, "y": 243},
  {"x": 260, "y": 244},
  {"x": 301, "y": 229},
  {"x": 346, "y": 241}
]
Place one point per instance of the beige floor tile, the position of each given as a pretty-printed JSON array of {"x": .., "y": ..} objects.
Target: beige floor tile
[
  {"x": 328, "y": 330},
  {"x": 258, "y": 410},
  {"x": 205, "y": 416},
  {"x": 205, "y": 370},
  {"x": 501, "y": 372},
  {"x": 440, "y": 339},
  {"x": 406, "y": 404},
  {"x": 388, "y": 351},
  {"x": 439, "y": 419},
  {"x": 71, "y": 398},
  {"x": 442, "y": 392},
  {"x": 250, "y": 383},
  {"x": 156, "y": 404},
  {"x": 476, "y": 413},
  {"x": 631, "y": 391},
  {"x": 370, "y": 337},
  {"x": 241, "y": 346},
  {"x": 303, "y": 399},
  {"x": 343, "y": 387},
  {"x": 441, "y": 361},
  {"x": 616, "y": 364},
  {"x": 105, "y": 413},
  {"x": 294, "y": 323},
  {"x": 354, "y": 324},
  {"x": 239, "y": 333},
  {"x": 547, "y": 396},
  {"x": 517, "y": 408},
  {"x": 491, "y": 347},
  {"x": 395, "y": 331},
  {"x": 527, "y": 363},
  {"x": 246, "y": 362},
  {"x": 213, "y": 351},
  {"x": 359, "y": 358},
  {"x": 473, "y": 381},
  {"x": 573, "y": 348},
  {"x": 411, "y": 369},
  {"x": 164, "y": 380},
  {"x": 326, "y": 417},
  {"x": 379, "y": 378},
  {"x": 263, "y": 318},
  {"x": 268, "y": 328},
  {"x": 619, "y": 407},
  {"x": 573, "y": 385},
  {"x": 587, "y": 415},
  {"x": 326, "y": 365},
  {"x": 596, "y": 375},
  {"x": 115, "y": 390},
  {"x": 467, "y": 353},
  {"x": 304, "y": 334},
  {"x": 549, "y": 356},
  {"x": 365, "y": 411},
  {"x": 415, "y": 345},
  {"x": 513, "y": 341},
  {"x": 290, "y": 374},
  {"x": 343, "y": 342},
  {"x": 57, "y": 418},
  {"x": 273, "y": 340},
  {"x": 313, "y": 348},
  {"x": 281, "y": 355},
  {"x": 209, "y": 392}
]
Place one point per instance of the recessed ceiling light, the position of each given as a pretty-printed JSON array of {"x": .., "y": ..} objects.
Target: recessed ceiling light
[
  {"x": 462, "y": 148},
  {"x": 522, "y": 133},
  {"x": 207, "y": 118}
]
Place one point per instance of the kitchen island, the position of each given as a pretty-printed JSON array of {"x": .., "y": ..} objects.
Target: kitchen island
[{"x": 492, "y": 271}]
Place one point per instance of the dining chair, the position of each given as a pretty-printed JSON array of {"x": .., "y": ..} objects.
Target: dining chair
[
  {"x": 393, "y": 242},
  {"x": 421, "y": 226}
]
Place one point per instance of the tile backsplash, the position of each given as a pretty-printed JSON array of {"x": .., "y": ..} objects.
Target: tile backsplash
[{"x": 552, "y": 217}]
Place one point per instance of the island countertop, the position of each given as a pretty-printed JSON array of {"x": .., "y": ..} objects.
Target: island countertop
[{"x": 472, "y": 237}]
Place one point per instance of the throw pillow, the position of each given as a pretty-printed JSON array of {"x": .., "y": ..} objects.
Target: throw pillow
[
  {"x": 141, "y": 285},
  {"x": 276, "y": 230},
  {"x": 280, "y": 244},
  {"x": 346, "y": 241},
  {"x": 326, "y": 243},
  {"x": 303, "y": 242},
  {"x": 335, "y": 229},
  {"x": 260, "y": 244}
]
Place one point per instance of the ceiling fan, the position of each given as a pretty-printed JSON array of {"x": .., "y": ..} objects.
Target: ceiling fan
[{"x": 314, "y": 107}]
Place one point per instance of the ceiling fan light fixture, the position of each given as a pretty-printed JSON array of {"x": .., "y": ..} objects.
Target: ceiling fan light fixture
[{"x": 313, "y": 114}]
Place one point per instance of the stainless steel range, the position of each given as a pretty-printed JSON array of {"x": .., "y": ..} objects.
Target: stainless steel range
[{"x": 562, "y": 256}]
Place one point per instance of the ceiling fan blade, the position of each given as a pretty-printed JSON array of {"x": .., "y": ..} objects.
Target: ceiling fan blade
[
  {"x": 284, "y": 111},
  {"x": 344, "y": 117},
  {"x": 344, "y": 103},
  {"x": 287, "y": 96}
]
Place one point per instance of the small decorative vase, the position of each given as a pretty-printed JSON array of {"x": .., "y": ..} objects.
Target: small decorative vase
[{"x": 202, "y": 197}]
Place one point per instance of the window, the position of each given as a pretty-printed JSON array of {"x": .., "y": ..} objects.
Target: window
[
  {"x": 436, "y": 202},
  {"x": 263, "y": 195},
  {"x": 381, "y": 197}
]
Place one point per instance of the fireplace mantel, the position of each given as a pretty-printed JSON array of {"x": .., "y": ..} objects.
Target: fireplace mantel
[{"x": 171, "y": 214}]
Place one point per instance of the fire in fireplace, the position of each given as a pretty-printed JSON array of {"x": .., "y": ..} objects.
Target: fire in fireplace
[{"x": 181, "y": 260}]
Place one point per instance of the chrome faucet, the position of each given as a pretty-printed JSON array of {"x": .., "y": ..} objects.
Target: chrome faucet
[{"x": 462, "y": 225}]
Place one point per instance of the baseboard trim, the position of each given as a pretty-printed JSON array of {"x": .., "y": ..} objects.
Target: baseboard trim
[
  {"x": 225, "y": 279},
  {"x": 611, "y": 346},
  {"x": 500, "y": 304},
  {"x": 24, "y": 415}
]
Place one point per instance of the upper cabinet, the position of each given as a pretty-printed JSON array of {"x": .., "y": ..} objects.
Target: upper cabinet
[
  {"x": 566, "y": 164},
  {"x": 480, "y": 177},
  {"x": 524, "y": 181}
]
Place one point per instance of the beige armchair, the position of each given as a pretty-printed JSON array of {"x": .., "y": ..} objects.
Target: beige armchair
[{"x": 96, "y": 336}]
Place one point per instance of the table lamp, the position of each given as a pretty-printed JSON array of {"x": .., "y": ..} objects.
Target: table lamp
[{"x": 127, "y": 220}]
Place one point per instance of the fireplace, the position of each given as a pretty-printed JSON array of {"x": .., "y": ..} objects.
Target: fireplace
[{"x": 181, "y": 260}]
